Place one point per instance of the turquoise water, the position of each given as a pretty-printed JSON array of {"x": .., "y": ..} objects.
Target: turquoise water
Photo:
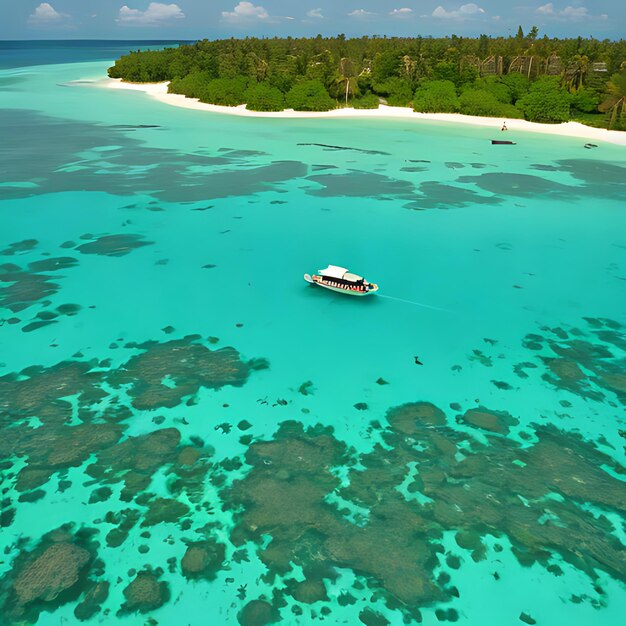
[{"x": 175, "y": 233}]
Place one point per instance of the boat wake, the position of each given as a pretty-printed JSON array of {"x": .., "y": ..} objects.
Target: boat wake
[{"x": 420, "y": 304}]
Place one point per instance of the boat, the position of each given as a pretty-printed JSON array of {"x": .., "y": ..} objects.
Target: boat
[
  {"x": 502, "y": 142},
  {"x": 341, "y": 280}
]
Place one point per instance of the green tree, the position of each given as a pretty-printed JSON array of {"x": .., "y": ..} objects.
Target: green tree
[
  {"x": 283, "y": 72},
  {"x": 264, "y": 97},
  {"x": 321, "y": 67},
  {"x": 547, "y": 101},
  {"x": 257, "y": 67},
  {"x": 447, "y": 70},
  {"x": 483, "y": 46},
  {"x": 585, "y": 100},
  {"x": 517, "y": 84},
  {"x": 436, "y": 96},
  {"x": 396, "y": 91},
  {"x": 225, "y": 91},
  {"x": 309, "y": 95},
  {"x": 480, "y": 102},
  {"x": 577, "y": 72},
  {"x": 367, "y": 101},
  {"x": 346, "y": 82},
  {"x": 617, "y": 99},
  {"x": 495, "y": 86},
  {"x": 385, "y": 65},
  {"x": 193, "y": 85}
]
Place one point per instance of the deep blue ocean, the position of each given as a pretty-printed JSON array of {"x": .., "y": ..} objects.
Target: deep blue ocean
[{"x": 52, "y": 52}]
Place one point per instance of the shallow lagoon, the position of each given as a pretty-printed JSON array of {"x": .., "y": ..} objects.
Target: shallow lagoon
[{"x": 175, "y": 234}]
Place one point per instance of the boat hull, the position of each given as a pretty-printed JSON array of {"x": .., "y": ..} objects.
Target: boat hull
[{"x": 348, "y": 292}]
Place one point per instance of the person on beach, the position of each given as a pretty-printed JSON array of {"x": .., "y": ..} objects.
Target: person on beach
[{"x": 504, "y": 126}]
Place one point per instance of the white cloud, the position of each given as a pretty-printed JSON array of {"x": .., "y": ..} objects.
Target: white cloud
[
  {"x": 574, "y": 13},
  {"x": 546, "y": 9},
  {"x": 360, "y": 13},
  {"x": 464, "y": 11},
  {"x": 401, "y": 13},
  {"x": 45, "y": 13},
  {"x": 569, "y": 13},
  {"x": 154, "y": 15},
  {"x": 315, "y": 14},
  {"x": 245, "y": 12}
]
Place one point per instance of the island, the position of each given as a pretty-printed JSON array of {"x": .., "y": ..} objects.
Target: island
[{"x": 542, "y": 80}]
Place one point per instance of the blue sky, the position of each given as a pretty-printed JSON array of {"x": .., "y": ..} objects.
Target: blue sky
[{"x": 143, "y": 19}]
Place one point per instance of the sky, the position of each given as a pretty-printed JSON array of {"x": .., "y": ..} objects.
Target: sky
[{"x": 194, "y": 19}]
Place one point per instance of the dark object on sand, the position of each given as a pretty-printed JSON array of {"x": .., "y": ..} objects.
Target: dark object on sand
[{"x": 501, "y": 142}]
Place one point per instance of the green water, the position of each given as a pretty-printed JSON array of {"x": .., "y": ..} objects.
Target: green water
[{"x": 501, "y": 267}]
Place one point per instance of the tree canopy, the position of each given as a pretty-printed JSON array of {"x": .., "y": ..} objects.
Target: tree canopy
[
  {"x": 436, "y": 96},
  {"x": 546, "y": 101},
  {"x": 542, "y": 79},
  {"x": 309, "y": 95}
]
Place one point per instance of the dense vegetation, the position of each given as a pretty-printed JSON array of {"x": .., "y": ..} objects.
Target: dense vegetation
[{"x": 540, "y": 79}]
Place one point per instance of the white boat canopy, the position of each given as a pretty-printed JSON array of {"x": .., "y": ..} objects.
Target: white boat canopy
[{"x": 333, "y": 271}]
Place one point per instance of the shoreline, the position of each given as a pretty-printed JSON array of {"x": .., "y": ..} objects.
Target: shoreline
[{"x": 566, "y": 129}]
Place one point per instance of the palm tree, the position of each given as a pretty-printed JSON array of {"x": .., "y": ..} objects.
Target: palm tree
[
  {"x": 347, "y": 78},
  {"x": 577, "y": 72},
  {"x": 617, "y": 99}
]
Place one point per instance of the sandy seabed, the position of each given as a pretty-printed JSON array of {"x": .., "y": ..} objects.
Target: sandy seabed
[{"x": 569, "y": 129}]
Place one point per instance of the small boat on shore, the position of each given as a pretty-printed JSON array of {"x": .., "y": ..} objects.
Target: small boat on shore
[{"x": 340, "y": 279}]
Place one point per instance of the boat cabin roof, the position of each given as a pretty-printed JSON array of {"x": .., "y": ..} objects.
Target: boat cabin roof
[{"x": 334, "y": 271}]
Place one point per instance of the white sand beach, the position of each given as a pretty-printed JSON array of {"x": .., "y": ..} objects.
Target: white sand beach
[{"x": 569, "y": 129}]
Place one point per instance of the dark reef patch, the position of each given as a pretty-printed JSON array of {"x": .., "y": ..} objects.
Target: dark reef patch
[
  {"x": 53, "y": 573},
  {"x": 21, "y": 288},
  {"x": 18, "y": 247},
  {"x": 145, "y": 593},
  {"x": 132, "y": 168},
  {"x": 413, "y": 169},
  {"x": 52, "y": 264},
  {"x": 95, "y": 595},
  {"x": 372, "y": 618},
  {"x": 435, "y": 195},
  {"x": 599, "y": 179},
  {"x": 476, "y": 493},
  {"x": 66, "y": 434},
  {"x": 240, "y": 182},
  {"x": 258, "y": 613},
  {"x": 344, "y": 148},
  {"x": 361, "y": 184},
  {"x": 186, "y": 364},
  {"x": 519, "y": 185},
  {"x": 591, "y": 365},
  {"x": 303, "y": 497},
  {"x": 203, "y": 559},
  {"x": 494, "y": 421},
  {"x": 113, "y": 245}
]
